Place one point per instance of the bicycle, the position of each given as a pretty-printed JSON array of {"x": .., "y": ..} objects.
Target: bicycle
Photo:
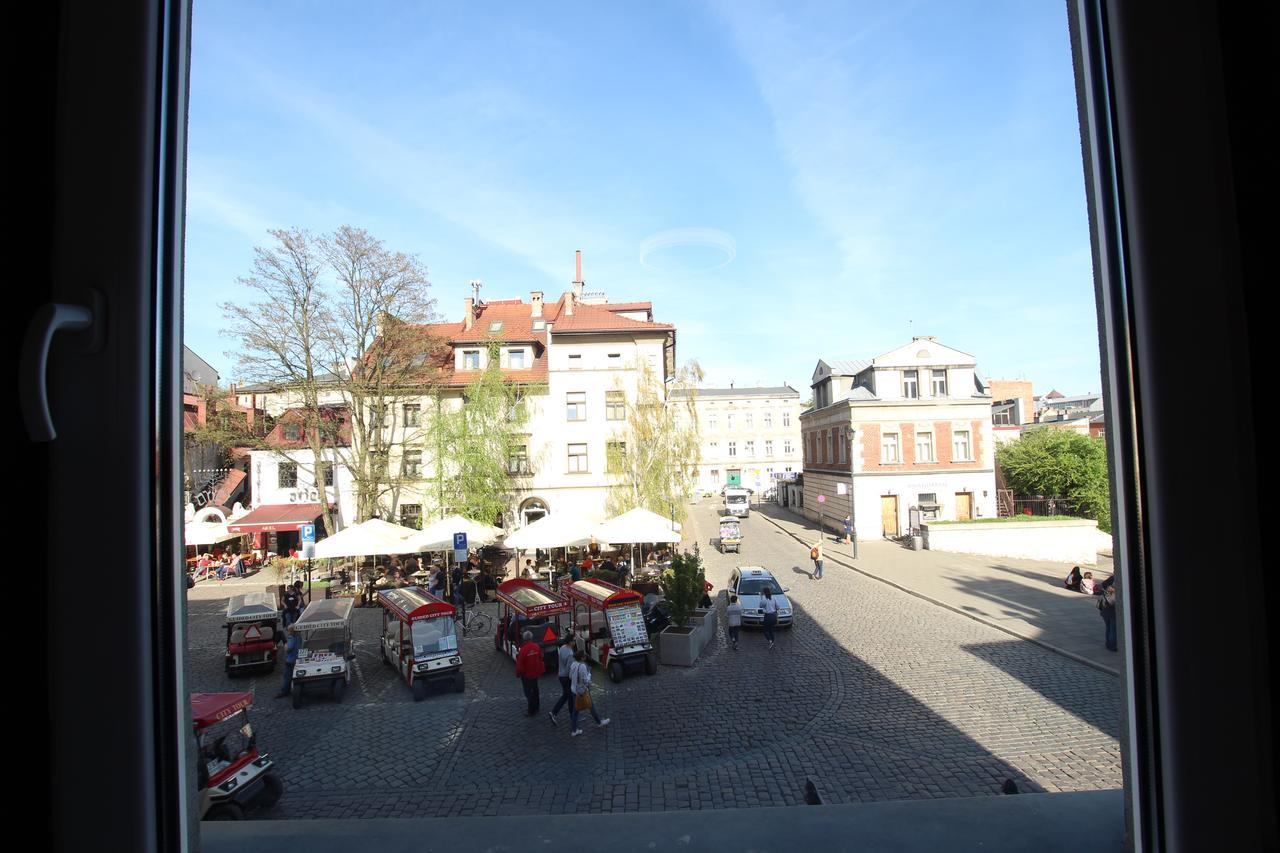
[{"x": 474, "y": 623}]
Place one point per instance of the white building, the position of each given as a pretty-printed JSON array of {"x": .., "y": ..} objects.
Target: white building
[
  {"x": 913, "y": 425},
  {"x": 750, "y": 436}
]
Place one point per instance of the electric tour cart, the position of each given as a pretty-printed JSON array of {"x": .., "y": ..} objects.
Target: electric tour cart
[
  {"x": 231, "y": 774},
  {"x": 253, "y": 629},
  {"x": 608, "y": 625},
  {"x": 529, "y": 606},
  {"x": 326, "y": 653},
  {"x": 419, "y": 639}
]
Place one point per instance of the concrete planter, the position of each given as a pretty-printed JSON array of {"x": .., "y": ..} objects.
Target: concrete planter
[
  {"x": 679, "y": 646},
  {"x": 705, "y": 619}
]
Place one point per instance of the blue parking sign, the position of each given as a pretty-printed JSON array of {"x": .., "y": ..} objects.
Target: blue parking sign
[
  {"x": 308, "y": 532},
  {"x": 459, "y": 541}
]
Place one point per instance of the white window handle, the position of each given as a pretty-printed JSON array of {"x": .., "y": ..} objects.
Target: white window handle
[{"x": 50, "y": 318}]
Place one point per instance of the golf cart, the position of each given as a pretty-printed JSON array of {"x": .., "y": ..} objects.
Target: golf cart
[
  {"x": 529, "y": 606},
  {"x": 231, "y": 775},
  {"x": 609, "y": 626},
  {"x": 253, "y": 629},
  {"x": 419, "y": 639},
  {"x": 326, "y": 653},
  {"x": 730, "y": 534}
]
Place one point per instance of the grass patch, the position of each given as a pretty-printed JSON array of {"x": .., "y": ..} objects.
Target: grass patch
[{"x": 1013, "y": 519}]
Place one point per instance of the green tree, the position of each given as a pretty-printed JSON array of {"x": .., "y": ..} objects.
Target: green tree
[
  {"x": 1058, "y": 463},
  {"x": 682, "y": 585},
  {"x": 654, "y": 458}
]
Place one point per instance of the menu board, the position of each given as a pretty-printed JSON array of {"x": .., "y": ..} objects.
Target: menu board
[{"x": 626, "y": 624}]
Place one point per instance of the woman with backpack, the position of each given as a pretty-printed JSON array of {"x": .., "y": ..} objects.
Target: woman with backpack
[{"x": 580, "y": 684}]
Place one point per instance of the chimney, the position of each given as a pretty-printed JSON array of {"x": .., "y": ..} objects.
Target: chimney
[
  {"x": 568, "y": 304},
  {"x": 577, "y": 274},
  {"x": 536, "y": 298},
  {"x": 468, "y": 313}
]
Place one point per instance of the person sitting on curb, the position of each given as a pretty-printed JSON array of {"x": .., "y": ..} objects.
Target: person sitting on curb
[{"x": 1073, "y": 579}]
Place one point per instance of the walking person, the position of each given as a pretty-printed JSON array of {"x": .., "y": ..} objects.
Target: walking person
[
  {"x": 848, "y": 530},
  {"x": 769, "y": 609},
  {"x": 733, "y": 619},
  {"x": 292, "y": 605},
  {"x": 1107, "y": 609},
  {"x": 580, "y": 683},
  {"x": 529, "y": 668},
  {"x": 564, "y": 661},
  {"x": 815, "y": 554},
  {"x": 290, "y": 660}
]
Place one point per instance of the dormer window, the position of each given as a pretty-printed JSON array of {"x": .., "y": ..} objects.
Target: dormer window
[
  {"x": 495, "y": 326},
  {"x": 939, "y": 383},
  {"x": 911, "y": 384},
  {"x": 515, "y": 359},
  {"x": 539, "y": 325},
  {"x": 471, "y": 359}
]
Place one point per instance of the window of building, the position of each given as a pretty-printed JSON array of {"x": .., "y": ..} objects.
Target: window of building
[
  {"x": 889, "y": 448},
  {"x": 960, "y": 450},
  {"x": 786, "y": 447},
  {"x": 924, "y": 447},
  {"x": 495, "y": 326},
  {"x": 411, "y": 516},
  {"x": 293, "y": 432},
  {"x": 768, "y": 420},
  {"x": 471, "y": 359},
  {"x": 910, "y": 384},
  {"x": 1002, "y": 417},
  {"x": 518, "y": 459},
  {"x": 713, "y": 448},
  {"x": 711, "y": 421},
  {"x": 412, "y": 415},
  {"x": 733, "y": 448},
  {"x": 715, "y": 475},
  {"x": 615, "y": 405},
  {"x": 786, "y": 419},
  {"x": 576, "y": 406},
  {"x": 615, "y": 457},
  {"x": 326, "y": 471},
  {"x": 749, "y": 420},
  {"x": 728, "y": 421},
  {"x": 515, "y": 359},
  {"x": 768, "y": 447},
  {"x": 577, "y": 459},
  {"x": 379, "y": 459},
  {"x": 750, "y": 448},
  {"x": 831, "y": 451},
  {"x": 575, "y": 361},
  {"x": 615, "y": 359},
  {"x": 411, "y": 463},
  {"x": 939, "y": 378},
  {"x": 287, "y": 475},
  {"x": 539, "y": 325}
]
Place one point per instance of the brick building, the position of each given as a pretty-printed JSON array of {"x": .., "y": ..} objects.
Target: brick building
[{"x": 914, "y": 425}]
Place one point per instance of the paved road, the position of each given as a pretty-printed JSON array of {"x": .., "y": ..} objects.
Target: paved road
[{"x": 874, "y": 695}]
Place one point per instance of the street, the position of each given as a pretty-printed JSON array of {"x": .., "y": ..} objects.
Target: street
[{"x": 873, "y": 695}]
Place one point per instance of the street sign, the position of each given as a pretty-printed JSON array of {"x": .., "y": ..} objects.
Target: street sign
[
  {"x": 460, "y": 547},
  {"x": 308, "y": 532},
  {"x": 822, "y": 499},
  {"x": 308, "y": 550},
  {"x": 842, "y": 489}
]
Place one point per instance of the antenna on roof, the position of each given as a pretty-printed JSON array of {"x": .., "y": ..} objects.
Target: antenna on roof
[{"x": 476, "y": 284}]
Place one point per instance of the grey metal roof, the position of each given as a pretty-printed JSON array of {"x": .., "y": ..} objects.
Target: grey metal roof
[
  {"x": 847, "y": 367},
  {"x": 769, "y": 391},
  {"x": 861, "y": 393}
]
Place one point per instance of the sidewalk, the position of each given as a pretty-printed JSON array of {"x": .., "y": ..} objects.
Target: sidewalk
[{"x": 1020, "y": 597}]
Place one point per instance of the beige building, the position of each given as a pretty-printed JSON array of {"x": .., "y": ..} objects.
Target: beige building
[
  {"x": 750, "y": 436},
  {"x": 911, "y": 428}
]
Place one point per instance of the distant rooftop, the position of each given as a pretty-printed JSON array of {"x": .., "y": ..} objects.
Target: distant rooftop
[{"x": 757, "y": 391}]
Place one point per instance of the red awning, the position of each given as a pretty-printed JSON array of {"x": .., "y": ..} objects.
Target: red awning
[{"x": 275, "y": 518}]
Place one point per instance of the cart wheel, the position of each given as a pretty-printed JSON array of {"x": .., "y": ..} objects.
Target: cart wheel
[
  {"x": 419, "y": 691},
  {"x": 297, "y": 695},
  {"x": 459, "y": 682},
  {"x": 615, "y": 672},
  {"x": 339, "y": 688},
  {"x": 225, "y": 811},
  {"x": 651, "y": 663},
  {"x": 272, "y": 790}
]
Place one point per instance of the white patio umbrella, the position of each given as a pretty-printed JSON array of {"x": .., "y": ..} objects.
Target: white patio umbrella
[
  {"x": 562, "y": 530},
  {"x": 207, "y": 533},
  {"x": 438, "y": 536},
  {"x": 636, "y": 526},
  {"x": 372, "y": 538}
]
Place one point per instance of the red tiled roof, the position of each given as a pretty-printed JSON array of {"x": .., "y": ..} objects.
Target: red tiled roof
[
  {"x": 600, "y": 318},
  {"x": 229, "y": 486}
]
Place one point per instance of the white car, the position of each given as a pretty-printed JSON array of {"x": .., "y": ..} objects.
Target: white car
[{"x": 749, "y": 583}]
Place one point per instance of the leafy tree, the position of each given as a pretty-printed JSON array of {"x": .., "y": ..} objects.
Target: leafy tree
[
  {"x": 655, "y": 456},
  {"x": 1058, "y": 463},
  {"x": 682, "y": 585}
]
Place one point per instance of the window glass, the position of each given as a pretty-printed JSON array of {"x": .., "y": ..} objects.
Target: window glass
[
  {"x": 576, "y": 406},
  {"x": 577, "y": 459}
]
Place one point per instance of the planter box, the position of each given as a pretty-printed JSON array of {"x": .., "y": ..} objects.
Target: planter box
[
  {"x": 679, "y": 646},
  {"x": 706, "y": 621}
]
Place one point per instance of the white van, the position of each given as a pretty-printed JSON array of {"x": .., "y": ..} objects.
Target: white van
[{"x": 737, "y": 502}]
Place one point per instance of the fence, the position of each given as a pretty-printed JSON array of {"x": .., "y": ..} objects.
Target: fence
[{"x": 1008, "y": 504}]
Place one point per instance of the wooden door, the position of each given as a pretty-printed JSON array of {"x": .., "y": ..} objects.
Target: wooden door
[
  {"x": 889, "y": 514},
  {"x": 964, "y": 506}
]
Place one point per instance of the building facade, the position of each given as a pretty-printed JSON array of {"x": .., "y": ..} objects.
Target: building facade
[
  {"x": 750, "y": 437},
  {"x": 907, "y": 430}
]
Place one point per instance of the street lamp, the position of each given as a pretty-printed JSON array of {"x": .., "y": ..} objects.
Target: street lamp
[{"x": 853, "y": 518}]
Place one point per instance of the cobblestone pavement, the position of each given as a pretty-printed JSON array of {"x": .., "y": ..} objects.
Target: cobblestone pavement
[{"x": 873, "y": 695}]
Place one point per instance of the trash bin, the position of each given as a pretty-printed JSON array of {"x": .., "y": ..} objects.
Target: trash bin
[{"x": 917, "y": 543}]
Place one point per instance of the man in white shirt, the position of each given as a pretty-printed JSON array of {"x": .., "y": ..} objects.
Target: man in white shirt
[{"x": 564, "y": 659}]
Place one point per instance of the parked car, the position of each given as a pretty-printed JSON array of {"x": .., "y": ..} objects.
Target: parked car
[{"x": 749, "y": 583}]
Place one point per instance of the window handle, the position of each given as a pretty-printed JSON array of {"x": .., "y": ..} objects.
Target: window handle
[{"x": 49, "y": 319}]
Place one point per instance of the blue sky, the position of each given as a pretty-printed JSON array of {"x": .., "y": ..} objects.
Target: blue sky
[{"x": 785, "y": 181}]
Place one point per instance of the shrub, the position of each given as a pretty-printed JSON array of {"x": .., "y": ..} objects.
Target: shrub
[
  {"x": 682, "y": 585},
  {"x": 606, "y": 576}
]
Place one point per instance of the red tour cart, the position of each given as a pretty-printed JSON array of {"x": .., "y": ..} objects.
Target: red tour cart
[
  {"x": 608, "y": 625},
  {"x": 232, "y": 775},
  {"x": 419, "y": 639},
  {"x": 253, "y": 629},
  {"x": 529, "y": 606}
]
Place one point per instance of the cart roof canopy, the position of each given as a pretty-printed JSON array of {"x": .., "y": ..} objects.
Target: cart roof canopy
[
  {"x": 209, "y": 708},
  {"x": 730, "y": 519},
  {"x": 532, "y": 599},
  {"x": 412, "y": 603},
  {"x": 601, "y": 594},
  {"x": 330, "y": 613},
  {"x": 252, "y": 606}
]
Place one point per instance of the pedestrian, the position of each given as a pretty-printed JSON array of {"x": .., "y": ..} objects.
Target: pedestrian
[
  {"x": 1086, "y": 583},
  {"x": 1107, "y": 609},
  {"x": 769, "y": 609},
  {"x": 580, "y": 683},
  {"x": 564, "y": 660},
  {"x": 848, "y": 529},
  {"x": 529, "y": 669},
  {"x": 733, "y": 618},
  {"x": 575, "y": 571},
  {"x": 290, "y": 659},
  {"x": 705, "y": 602},
  {"x": 1073, "y": 579},
  {"x": 815, "y": 554},
  {"x": 237, "y": 565},
  {"x": 292, "y": 606},
  {"x": 455, "y": 578},
  {"x": 529, "y": 572}
]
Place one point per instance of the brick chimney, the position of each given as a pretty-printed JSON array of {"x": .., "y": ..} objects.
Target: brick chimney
[
  {"x": 577, "y": 275},
  {"x": 536, "y": 299},
  {"x": 468, "y": 313},
  {"x": 568, "y": 304}
]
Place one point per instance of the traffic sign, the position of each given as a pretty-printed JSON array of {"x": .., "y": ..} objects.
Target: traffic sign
[
  {"x": 308, "y": 532},
  {"x": 822, "y": 499},
  {"x": 308, "y": 550},
  {"x": 460, "y": 547}
]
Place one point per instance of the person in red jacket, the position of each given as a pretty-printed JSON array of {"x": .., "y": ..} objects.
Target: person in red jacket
[{"x": 529, "y": 668}]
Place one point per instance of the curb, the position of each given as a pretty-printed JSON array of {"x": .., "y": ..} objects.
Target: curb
[{"x": 1041, "y": 643}]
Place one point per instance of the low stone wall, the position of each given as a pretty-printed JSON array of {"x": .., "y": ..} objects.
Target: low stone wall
[{"x": 1077, "y": 542}]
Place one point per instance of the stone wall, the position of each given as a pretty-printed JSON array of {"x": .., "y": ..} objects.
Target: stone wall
[{"x": 1075, "y": 542}]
